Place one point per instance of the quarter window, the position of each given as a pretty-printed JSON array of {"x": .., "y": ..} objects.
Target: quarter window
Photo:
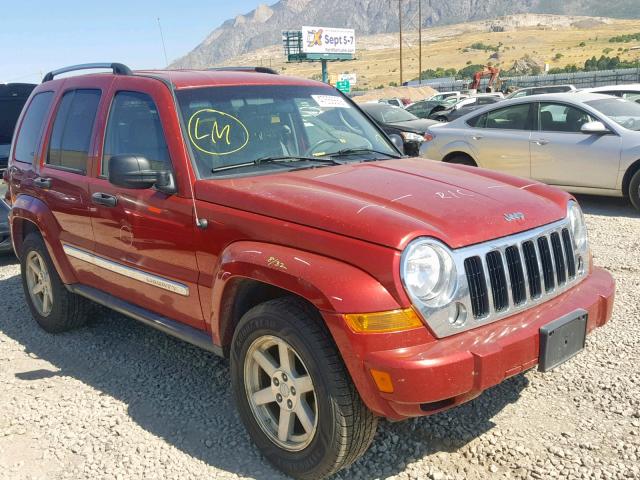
[
  {"x": 556, "y": 117},
  {"x": 71, "y": 136},
  {"x": 134, "y": 128},
  {"x": 31, "y": 130}
]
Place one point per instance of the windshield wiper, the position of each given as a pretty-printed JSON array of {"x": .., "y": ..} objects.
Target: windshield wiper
[
  {"x": 277, "y": 159},
  {"x": 356, "y": 151}
]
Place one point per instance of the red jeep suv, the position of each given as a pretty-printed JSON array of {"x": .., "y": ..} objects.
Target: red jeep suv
[{"x": 267, "y": 219}]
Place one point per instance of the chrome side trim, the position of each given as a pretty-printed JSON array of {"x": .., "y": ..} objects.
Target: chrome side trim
[{"x": 129, "y": 272}]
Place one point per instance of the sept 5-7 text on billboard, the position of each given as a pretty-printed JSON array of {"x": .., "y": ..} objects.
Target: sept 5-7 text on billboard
[{"x": 328, "y": 40}]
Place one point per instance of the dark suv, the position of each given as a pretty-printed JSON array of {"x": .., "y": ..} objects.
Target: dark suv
[{"x": 13, "y": 96}]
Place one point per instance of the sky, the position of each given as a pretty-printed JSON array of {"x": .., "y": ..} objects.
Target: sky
[{"x": 39, "y": 36}]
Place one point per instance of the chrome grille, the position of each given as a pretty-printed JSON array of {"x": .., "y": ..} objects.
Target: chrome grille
[
  {"x": 504, "y": 276},
  {"x": 509, "y": 276}
]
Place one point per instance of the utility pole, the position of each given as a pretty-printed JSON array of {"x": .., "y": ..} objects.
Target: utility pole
[
  {"x": 400, "y": 19},
  {"x": 419, "y": 42}
]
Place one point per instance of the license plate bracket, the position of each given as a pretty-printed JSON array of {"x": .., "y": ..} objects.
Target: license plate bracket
[{"x": 561, "y": 339}]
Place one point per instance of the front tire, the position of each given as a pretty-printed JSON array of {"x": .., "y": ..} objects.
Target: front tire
[
  {"x": 293, "y": 392},
  {"x": 54, "y": 308},
  {"x": 462, "y": 160},
  {"x": 634, "y": 190}
]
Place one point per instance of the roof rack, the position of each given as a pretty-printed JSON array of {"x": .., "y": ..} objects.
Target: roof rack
[
  {"x": 268, "y": 70},
  {"x": 118, "y": 69}
]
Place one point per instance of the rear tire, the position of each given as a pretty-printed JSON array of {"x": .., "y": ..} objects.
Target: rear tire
[
  {"x": 330, "y": 426},
  {"x": 462, "y": 160},
  {"x": 634, "y": 190},
  {"x": 54, "y": 308}
]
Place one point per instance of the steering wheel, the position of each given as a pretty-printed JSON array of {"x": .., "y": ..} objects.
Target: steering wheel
[
  {"x": 631, "y": 124},
  {"x": 313, "y": 148}
]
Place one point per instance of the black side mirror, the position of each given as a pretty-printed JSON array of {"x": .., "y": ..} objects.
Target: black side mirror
[
  {"x": 397, "y": 141},
  {"x": 134, "y": 171}
]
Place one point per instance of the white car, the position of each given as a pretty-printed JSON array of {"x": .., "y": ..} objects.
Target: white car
[
  {"x": 628, "y": 92},
  {"x": 528, "y": 91},
  {"x": 445, "y": 95},
  {"x": 580, "y": 142}
]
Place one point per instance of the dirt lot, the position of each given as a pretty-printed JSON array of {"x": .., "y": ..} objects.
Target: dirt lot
[{"x": 117, "y": 400}]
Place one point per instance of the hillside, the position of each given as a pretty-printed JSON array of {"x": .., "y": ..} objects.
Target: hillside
[
  {"x": 557, "y": 40},
  {"x": 262, "y": 26}
]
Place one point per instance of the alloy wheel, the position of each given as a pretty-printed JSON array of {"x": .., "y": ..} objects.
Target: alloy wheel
[
  {"x": 39, "y": 283},
  {"x": 281, "y": 393}
]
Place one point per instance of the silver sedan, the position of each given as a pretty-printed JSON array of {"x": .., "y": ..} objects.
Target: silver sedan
[{"x": 580, "y": 142}]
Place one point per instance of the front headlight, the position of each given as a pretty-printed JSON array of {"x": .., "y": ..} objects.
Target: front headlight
[
  {"x": 578, "y": 227},
  {"x": 429, "y": 272},
  {"x": 412, "y": 137}
]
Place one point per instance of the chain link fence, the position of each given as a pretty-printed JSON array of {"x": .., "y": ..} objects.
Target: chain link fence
[{"x": 579, "y": 79}]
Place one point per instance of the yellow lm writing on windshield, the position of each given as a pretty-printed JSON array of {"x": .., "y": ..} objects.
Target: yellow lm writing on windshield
[{"x": 217, "y": 133}]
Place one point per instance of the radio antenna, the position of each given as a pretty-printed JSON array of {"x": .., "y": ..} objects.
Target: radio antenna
[{"x": 164, "y": 48}]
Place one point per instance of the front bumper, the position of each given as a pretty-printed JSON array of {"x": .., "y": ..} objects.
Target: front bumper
[{"x": 431, "y": 375}]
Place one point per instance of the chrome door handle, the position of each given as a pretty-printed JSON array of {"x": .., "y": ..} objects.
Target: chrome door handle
[
  {"x": 540, "y": 142},
  {"x": 104, "y": 199},
  {"x": 477, "y": 137}
]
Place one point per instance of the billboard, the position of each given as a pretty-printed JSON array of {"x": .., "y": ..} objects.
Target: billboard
[{"x": 328, "y": 40}]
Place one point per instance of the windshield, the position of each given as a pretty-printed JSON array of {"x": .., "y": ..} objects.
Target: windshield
[
  {"x": 229, "y": 126},
  {"x": 392, "y": 115},
  {"x": 623, "y": 112}
]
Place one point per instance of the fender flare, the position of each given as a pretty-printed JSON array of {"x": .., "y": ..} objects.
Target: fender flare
[
  {"x": 329, "y": 284},
  {"x": 31, "y": 209}
]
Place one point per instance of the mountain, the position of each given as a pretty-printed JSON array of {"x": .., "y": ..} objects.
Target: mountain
[{"x": 262, "y": 26}]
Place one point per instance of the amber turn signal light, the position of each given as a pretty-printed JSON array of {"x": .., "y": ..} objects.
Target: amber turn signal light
[
  {"x": 383, "y": 322},
  {"x": 383, "y": 380}
]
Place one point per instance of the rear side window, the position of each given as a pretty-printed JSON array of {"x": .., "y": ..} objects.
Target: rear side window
[
  {"x": 31, "y": 129},
  {"x": 134, "y": 128},
  {"x": 515, "y": 117},
  {"x": 71, "y": 136}
]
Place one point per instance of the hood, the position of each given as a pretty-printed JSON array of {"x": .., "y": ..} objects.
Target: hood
[
  {"x": 392, "y": 202},
  {"x": 414, "y": 126}
]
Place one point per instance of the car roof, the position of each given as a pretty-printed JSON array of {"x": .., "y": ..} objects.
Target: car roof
[
  {"x": 212, "y": 78},
  {"x": 569, "y": 97},
  {"x": 16, "y": 89},
  {"x": 610, "y": 88},
  {"x": 565, "y": 85},
  {"x": 378, "y": 106},
  {"x": 576, "y": 96},
  {"x": 182, "y": 79}
]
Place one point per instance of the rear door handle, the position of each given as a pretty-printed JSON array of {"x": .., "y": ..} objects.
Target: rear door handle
[
  {"x": 104, "y": 199},
  {"x": 540, "y": 141},
  {"x": 477, "y": 137},
  {"x": 42, "y": 182}
]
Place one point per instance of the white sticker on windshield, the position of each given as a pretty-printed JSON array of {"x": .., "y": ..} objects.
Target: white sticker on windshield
[{"x": 330, "y": 101}]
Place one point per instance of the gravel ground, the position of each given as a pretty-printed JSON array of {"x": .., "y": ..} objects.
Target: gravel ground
[{"x": 119, "y": 400}]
